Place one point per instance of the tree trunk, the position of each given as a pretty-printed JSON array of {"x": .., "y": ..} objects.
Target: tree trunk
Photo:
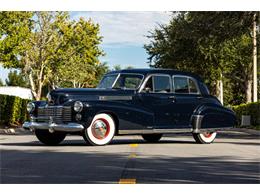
[
  {"x": 248, "y": 87},
  {"x": 39, "y": 92},
  {"x": 219, "y": 90},
  {"x": 74, "y": 84},
  {"x": 32, "y": 84},
  {"x": 254, "y": 61}
]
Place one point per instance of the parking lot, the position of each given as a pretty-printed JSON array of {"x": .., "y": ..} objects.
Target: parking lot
[{"x": 233, "y": 158}]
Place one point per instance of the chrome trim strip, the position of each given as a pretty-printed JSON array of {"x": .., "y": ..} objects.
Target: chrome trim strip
[
  {"x": 70, "y": 127},
  {"x": 115, "y": 80},
  {"x": 169, "y": 131},
  {"x": 197, "y": 121},
  {"x": 115, "y": 97},
  {"x": 153, "y": 131}
]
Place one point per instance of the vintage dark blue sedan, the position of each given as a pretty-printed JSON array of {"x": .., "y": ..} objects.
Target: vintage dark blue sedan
[{"x": 147, "y": 102}]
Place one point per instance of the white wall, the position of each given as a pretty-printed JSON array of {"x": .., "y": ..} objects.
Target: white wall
[{"x": 21, "y": 92}]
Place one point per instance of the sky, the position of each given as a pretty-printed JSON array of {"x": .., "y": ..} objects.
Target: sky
[{"x": 124, "y": 35}]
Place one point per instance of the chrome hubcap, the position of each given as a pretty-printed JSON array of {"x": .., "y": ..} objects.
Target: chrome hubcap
[{"x": 100, "y": 129}]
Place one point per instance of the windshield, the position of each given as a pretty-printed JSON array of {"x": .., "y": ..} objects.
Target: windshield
[{"x": 124, "y": 81}]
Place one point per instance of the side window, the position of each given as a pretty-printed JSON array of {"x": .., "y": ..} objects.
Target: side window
[
  {"x": 181, "y": 85},
  {"x": 158, "y": 84},
  {"x": 161, "y": 84},
  {"x": 184, "y": 85},
  {"x": 192, "y": 86}
]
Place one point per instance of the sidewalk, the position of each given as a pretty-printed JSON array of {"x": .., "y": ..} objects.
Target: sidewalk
[
  {"x": 248, "y": 131},
  {"x": 14, "y": 131}
]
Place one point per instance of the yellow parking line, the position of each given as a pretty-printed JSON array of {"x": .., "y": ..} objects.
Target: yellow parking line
[
  {"x": 132, "y": 155},
  {"x": 133, "y": 145},
  {"x": 127, "y": 181}
]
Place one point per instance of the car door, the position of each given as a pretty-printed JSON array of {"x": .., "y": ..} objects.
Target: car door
[
  {"x": 187, "y": 99},
  {"x": 157, "y": 97}
]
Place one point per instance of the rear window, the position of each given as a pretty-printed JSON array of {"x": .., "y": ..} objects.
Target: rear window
[
  {"x": 184, "y": 85},
  {"x": 181, "y": 85}
]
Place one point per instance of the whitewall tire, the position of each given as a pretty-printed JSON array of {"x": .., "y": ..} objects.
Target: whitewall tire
[
  {"x": 101, "y": 130},
  {"x": 204, "y": 138}
]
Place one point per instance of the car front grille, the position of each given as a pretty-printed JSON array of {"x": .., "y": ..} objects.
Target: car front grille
[{"x": 59, "y": 114}]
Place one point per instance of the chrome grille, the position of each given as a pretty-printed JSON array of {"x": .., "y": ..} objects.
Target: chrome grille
[{"x": 58, "y": 114}]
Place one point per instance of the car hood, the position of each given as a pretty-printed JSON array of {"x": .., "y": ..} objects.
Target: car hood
[{"x": 61, "y": 96}]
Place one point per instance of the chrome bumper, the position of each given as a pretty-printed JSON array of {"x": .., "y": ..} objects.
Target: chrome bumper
[{"x": 70, "y": 127}]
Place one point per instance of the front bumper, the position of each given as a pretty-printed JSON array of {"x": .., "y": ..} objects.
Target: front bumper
[{"x": 69, "y": 127}]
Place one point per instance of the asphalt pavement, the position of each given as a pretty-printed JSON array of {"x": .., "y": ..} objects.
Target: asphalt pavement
[{"x": 232, "y": 158}]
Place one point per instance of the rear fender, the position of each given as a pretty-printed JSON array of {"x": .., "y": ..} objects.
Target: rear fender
[{"x": 212, "y": 116}]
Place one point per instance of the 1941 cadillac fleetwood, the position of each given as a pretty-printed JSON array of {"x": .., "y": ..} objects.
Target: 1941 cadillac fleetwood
[{"x": 147, "y": 102}]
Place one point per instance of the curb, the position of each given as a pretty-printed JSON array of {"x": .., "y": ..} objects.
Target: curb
[
  {"x": 14, "y": 131},
  {"x": 245, "y": 130}
]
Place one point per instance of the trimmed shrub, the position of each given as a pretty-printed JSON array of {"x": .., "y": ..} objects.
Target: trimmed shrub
[
  {"x": 252, "y": 109},
  {"x": 12, "y": 110}
]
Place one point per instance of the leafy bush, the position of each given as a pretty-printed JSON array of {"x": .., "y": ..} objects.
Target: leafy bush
[
  {"x": 12, "y": 110},
  {"x": 252, "y": 109}
]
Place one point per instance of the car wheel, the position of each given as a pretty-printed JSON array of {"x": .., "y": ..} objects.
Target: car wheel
[
  {"x": 50, "y": 139},
  {"x": 101, "y": 131},
  {"x": 204, "y": 138},
  {"x": 152, "y": 137}
]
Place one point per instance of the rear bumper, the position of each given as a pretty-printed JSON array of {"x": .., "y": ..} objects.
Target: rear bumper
[{"x": 69, "y": 127}]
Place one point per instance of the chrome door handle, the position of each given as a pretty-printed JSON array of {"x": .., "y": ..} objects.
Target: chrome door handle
[{"x": 173, "y": 98}]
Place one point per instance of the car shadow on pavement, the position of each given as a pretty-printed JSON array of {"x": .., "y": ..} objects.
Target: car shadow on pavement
[
  {"x": 75, "y": 142},
  {"x": 222, "y": 137},
  {"x": 233, "y": 135},
  {"x": 31, "y": 166}
]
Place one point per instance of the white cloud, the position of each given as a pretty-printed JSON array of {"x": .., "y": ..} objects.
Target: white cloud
[{"x": 125, "y": 27}]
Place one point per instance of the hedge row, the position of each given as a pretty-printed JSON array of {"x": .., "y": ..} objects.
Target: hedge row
[
  {"x": 12, "y": 110},
  {"x": 252, "y": 109}
]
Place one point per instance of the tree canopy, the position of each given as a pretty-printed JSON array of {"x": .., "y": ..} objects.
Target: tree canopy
[
  {"x": 16, "y": 79},
  {"x": 215, "y": 45},
  {"x": 51, "y": 49}
]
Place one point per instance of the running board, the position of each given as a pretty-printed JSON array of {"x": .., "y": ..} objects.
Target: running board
[
  {"x": 168, "y": 131},
  {"x": 153, "y": 131}
]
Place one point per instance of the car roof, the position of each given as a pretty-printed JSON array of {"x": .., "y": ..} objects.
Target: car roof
[{"x": 146, "y": 71}]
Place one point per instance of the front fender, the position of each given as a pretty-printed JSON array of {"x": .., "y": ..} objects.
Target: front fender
[
  {"x": 214, "y": 116},
  {"x": 127, "y": 114}
]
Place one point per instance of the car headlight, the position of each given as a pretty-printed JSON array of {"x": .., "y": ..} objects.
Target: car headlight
[
  {"x": 30, "y": 107},
  {"x": 78, "y": 106}
]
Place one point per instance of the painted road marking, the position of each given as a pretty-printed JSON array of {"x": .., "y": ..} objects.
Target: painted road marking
[
  {"x": 133, "y": 145},
  {"x": 132, "y": 155},
  {"x": 127, "y": 181}
]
